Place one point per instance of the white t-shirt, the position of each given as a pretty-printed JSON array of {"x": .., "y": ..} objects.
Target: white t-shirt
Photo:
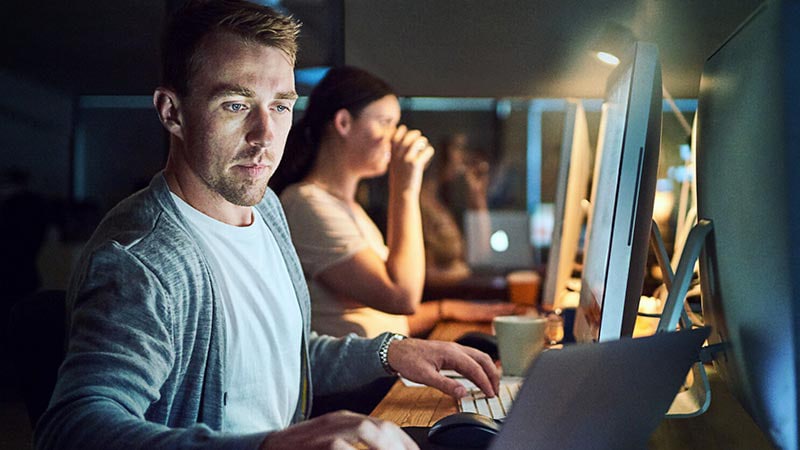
[
  {"x": 326, "y": 231},
  {"x": 263, "y": 324}
]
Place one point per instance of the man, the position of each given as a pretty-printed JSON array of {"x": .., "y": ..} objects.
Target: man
[{"x": 189, "y": 313}]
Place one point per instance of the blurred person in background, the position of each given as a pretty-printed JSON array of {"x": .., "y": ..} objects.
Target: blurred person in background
[{"x": 445, "y": 246}]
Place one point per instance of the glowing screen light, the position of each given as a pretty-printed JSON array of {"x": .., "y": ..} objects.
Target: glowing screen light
[{"x": 499, "y": 241}]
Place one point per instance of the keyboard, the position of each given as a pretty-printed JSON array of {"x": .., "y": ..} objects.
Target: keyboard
[{"x": 496, "y": 407}]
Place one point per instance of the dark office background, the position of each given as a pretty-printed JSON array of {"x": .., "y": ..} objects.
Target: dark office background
[{"x": 76, "y": 134}]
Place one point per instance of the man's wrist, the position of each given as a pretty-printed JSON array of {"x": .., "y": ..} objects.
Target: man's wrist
[{"x": 383, "y": 352}]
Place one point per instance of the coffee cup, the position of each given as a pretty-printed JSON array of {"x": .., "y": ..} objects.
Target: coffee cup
[
  {"x": 519, "y": 340},
  {"x": 523, "y": 287}
]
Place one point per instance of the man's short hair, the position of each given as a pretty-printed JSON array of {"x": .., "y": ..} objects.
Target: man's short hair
[{"x": 196, "y": 19}]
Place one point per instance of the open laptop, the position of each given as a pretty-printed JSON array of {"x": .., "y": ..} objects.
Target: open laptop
[
  {"x": 498, "y": 239},
  {"x": 609, "y": 395}
]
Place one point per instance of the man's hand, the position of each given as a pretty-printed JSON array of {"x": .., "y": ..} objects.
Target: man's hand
[
  {"x": 341, "y": 430},
  {"x": 421, "y": 360}
]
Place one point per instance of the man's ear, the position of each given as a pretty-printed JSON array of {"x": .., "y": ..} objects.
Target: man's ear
[
  {"x": 342, "y": 122},
  {"x": 168, "y": 107}
]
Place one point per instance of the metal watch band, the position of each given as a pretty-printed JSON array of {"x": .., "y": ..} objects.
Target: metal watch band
[{"x": 383, "y": 352}]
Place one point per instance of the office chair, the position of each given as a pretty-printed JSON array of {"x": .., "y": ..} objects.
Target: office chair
[{"x": 36, "y": 344}]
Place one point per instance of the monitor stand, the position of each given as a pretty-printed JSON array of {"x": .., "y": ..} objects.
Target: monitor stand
[{"x": 695, "y": 398}]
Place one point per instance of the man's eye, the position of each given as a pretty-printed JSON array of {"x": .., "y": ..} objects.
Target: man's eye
[
  {"x": 235, "y": 107},
  {"x": 282, "y": 108}
]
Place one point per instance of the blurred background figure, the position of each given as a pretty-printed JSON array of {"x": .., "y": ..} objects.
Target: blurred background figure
[
  {"x": 456, "y": 182},
  {"x": 462, "y": 175}
]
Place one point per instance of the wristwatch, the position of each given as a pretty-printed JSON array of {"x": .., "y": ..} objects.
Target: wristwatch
[{"x": 383, "y": 351}]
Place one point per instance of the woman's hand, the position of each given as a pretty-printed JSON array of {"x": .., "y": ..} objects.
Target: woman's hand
[
  {"x": 467, "y": 311},
  {"x": 477, "y": 177},
  {"x": 411, "y": 152}
]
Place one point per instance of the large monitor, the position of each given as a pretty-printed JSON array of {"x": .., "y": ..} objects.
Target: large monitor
[
  {"x": 622, "y": 198},
  {"x": 572, "y": 188},
  {"x": 748, "y": 158}
]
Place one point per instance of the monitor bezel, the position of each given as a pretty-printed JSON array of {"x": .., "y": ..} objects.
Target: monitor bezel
[
  {"x": 572, "y": 187},
  {"x": 633, "y": 197}
]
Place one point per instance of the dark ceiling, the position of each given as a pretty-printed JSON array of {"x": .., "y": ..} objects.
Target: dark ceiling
[
  {"x": 533, "y": 48},
  {"x": 82, "y": 46}
]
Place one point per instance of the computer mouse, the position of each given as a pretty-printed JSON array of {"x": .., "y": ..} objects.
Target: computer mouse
[
  {"x": 486, "y": 343},
  {"x": 464, "y": 430}
]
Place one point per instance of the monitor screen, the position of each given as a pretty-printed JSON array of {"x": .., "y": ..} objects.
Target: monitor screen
[
  {"x": 572, "y": 188},
  {"x": 748, "y": 157},
  {"x": 623, "y": 192}
]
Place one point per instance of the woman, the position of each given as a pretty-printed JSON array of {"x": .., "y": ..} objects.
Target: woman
[{"x": 358, "y": 283}]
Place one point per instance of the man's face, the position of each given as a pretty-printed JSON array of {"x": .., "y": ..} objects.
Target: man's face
[{"x": 236, "y": 117}]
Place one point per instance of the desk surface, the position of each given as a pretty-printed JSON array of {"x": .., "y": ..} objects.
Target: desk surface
[{"x": 724, "y": 426}]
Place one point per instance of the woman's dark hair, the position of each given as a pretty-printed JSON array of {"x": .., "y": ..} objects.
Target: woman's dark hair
[{"x": 345, "y": 87}]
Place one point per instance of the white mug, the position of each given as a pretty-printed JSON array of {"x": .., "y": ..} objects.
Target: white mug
[{"x": 519, "y": 340}]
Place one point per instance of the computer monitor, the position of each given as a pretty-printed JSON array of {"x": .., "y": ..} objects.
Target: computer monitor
[
  {"x": 622, "y": 198},
  {"x": 572, "y": 188},
  {"x": 748, "y": 157}
]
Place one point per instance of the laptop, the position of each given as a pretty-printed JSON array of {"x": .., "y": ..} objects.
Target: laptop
[
  {"x": 609, "y": 395},
  {"x": 498, "y": 239}
]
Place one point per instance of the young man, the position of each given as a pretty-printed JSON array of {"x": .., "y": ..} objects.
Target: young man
[{"x": 188, "y": 311}]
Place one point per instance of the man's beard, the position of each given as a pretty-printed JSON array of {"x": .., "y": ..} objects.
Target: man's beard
[
  {"x": 247, "y": 192},
  {"x": 241, "y": 193}
]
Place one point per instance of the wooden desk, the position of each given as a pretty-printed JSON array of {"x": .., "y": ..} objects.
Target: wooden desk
[{"x": 724, "y": 426}]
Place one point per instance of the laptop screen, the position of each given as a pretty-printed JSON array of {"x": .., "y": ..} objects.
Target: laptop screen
[{"x": 498, "y": 239}]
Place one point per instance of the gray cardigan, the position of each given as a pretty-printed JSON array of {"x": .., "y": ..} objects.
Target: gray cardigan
[{"x": 145, "y": 364}]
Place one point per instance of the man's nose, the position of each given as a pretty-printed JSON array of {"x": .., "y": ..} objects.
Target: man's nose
[{"x": 260, "y": 131}]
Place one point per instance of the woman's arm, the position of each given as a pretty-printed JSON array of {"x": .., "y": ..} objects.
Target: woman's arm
[
  {"x": 394, "y": 286},
  {"x": 406, "y": 260},
  {"x": 431, "y": 313},
  {"x": 365, "y": 279}
]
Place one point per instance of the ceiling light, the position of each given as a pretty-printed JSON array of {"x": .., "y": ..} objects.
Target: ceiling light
[{"x": 612, "y": 43}]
